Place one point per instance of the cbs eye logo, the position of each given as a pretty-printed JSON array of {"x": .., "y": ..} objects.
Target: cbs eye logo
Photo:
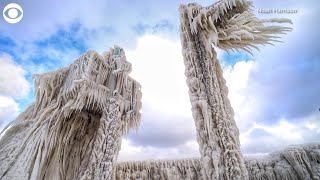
[{"x": 12, "y": 13}]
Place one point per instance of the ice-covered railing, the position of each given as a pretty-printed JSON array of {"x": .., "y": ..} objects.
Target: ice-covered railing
[
  {"x": 73, "y": 130},
  {"x": 293, "y": 163},
  {"x": 159, "y": 169}
]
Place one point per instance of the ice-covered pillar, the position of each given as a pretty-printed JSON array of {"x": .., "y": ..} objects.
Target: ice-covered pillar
[
  {"x": 119, "y": 114},
  {"x": 217, "y": 132},
  {"x": 227, "y": 24},
  {"x": 107, "y": 144}
]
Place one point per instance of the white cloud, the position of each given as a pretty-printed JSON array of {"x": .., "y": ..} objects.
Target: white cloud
[
  {"x": 243, "y": 103},
  {"x": 8, "y": 110},
  {"x": 256, "y": 136},
  {"x": 265, "y": 138},
  {"x": 130, "y": 152},
  {"x": 12, "y": 80},
  {"x": 158, "y": 65},
  {"x": 167, "y": 129},
  {"x": 13, "y": 85}
]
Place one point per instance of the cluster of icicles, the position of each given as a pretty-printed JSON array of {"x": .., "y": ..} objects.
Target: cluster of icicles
[{"x": 232, "y": 25}]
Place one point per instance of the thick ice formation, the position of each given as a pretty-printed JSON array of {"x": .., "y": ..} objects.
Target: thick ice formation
[
  {"x": 73, "y": 130},
  {"x": 293, "y": 163}
]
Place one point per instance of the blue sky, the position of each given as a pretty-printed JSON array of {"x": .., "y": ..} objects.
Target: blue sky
[{"x": 274, "y": 93}]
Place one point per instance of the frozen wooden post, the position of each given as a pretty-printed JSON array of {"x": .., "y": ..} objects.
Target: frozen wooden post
[{"x": 227, "y": 24}]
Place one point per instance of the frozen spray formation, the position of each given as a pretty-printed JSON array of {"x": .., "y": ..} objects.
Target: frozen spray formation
[{"x": 74, "y": 128}]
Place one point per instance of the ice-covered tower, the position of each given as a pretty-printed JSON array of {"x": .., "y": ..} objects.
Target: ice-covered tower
[
  {"x": 227, "y": 24},
  {"x": 74, "y": 128}
]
